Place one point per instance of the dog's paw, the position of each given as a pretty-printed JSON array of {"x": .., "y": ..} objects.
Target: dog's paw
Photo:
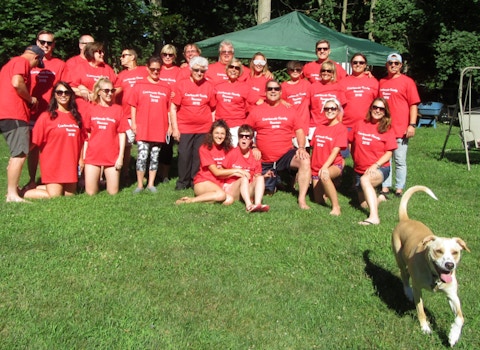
[
  {"x": 454, "y": 335},
  {"x": 426, "y": 329}
]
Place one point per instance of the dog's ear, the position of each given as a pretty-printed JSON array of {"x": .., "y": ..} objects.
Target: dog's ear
[
  {"x": 426, "y": 240},
  {"x": 461, "y": 243}
]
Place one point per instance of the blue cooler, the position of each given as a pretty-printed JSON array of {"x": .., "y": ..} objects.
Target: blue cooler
[{"x": 429, "y": 112}]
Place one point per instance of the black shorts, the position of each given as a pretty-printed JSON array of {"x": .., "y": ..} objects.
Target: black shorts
[
  {"x": 282, "y": 164},
  {"x": 17, "y": 135}
]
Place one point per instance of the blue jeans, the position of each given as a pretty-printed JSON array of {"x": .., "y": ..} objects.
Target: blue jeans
[{"x": 400, "y": 160}]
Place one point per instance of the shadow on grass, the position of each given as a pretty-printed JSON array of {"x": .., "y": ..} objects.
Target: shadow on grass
[
  {"x": 458, "y": 156},
  {"x": 389, "y": 289}
]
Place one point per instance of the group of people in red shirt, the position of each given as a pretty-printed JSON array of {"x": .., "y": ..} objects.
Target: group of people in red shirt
[{"x": 236, "y": 126}]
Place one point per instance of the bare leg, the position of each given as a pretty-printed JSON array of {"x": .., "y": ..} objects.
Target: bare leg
[
  {"x": 112, "y": 176},
  {"x": 92, "y": 177},
  {"x": 14, "y": 171}
]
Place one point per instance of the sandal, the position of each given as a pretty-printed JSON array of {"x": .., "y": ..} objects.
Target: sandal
[{"x": 384, "y": 194}]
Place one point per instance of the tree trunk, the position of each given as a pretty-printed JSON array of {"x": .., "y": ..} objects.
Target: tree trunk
[
  {"x": 320, "y": 4},
  {"x": 344, "y": 16},
  {"x": 264, "y": 9},
  {"x": 372, "y": 8}
]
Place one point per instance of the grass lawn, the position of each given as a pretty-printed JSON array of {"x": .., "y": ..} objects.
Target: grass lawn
[{"x": 138, "y": 272}]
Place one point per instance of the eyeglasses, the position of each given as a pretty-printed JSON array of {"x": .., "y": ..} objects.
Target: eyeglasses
[
  {"x": 330, "y": 109},
  {"x": 393, "y": 63},
  {"x": 63, "y": 93},
  {"x": 85, "y": 43},
  {"x": 323, "y": 48},
  {"x": 107, "y": 91},
  {"x": 297, "y": 70},
  {"x": 168, "y": 55},
  {"x": 358, "y": 62},
  {"x": 198, "y": 70},
  {"x": 326, "y": 71},
  {"x": 245, "y": 136},
  {"x": 154, "y": 69},
  {"x": 226, "y": 52},
  {"x": 191, "y": 51},
  {"x": 378, "y": 108},
  {"x": 125, "y": 55},
  {"x": 259, "y": 62},
  {"x": 231, "y": 66},
  {"x": 45, "y": 42},
  {"x": 273, "y": 88}
]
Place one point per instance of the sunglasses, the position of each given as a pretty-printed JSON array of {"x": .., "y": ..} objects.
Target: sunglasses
[
  {"x": 44, "y": 42},
  {"x": 378, "y": 108},
  {"x": 231, "y": 66},
  {"x": 198, "y": 70},
  {"x": 393, "y": 63},
  {"x": 358, "y": 62},
  {"x": 330, "y": 109},
  {"x": 63, "y": 93},
  {"x": 326, "y": 71},
  {"x": 259, "y": 62},
  {"x": 273, "y": 88},
  {"x": 245, "y": 136},
  {"x": 125, "y": 55},
  {"x": 154, "y": 69},
  {"x": 297, "y": 70},
  {"x": 168, "y": 55},
  {"x": 100, "y": 52},
  {"x": 226, "y": 52},
  {"x": 107, "y": 91},
  {"x": 323, "y": 48}
]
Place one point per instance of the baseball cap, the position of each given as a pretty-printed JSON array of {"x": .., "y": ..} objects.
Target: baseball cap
[
  {"x": 394, "y": 57},
  {"x": 39, "y": 52}
]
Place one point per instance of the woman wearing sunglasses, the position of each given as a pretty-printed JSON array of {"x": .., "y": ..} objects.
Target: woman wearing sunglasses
[
  {"x": 59, "y": 135},
  {"x": 105, "y": 146},
  {"x": 231, "y": 99},
  {"x": 257, "y": 80},
  {"x": 327, "y": 163},
  {"x": 372, "y": 144}
]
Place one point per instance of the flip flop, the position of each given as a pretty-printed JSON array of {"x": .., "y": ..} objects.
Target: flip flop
[
  {"x": 366, "y": 223},
  {"x": 256, "y": 209},
  {"x": 264, "y": 208},
  {"x": 250, "y": 208}
]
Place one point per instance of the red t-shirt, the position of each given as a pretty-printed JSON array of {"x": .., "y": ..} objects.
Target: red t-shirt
[
  {"x": 104, "y": 124},
  {"x": 184, "y": 73},
  {"x": 169, "y": 75},
  {"x": 275, "y": 126},
  {"x": 257, "y": 89},
  {"x": 217, "y": 73},
  {"x": 324, "y": 140},
  {"x": 319, "y": 94},
  {"x": 127, "y": 79},
  {"x": 400, "y": 93},
  {"x": 359, "y": 92},
  {"x": 43, "y": 80},
  {"x": 368, "y": 145},
  {"x": 231, "y": 99},
  {"x": 60, "y": 142},
  {"x": 86, "y": 75},
  {"x": 74, "y": 61},
  {"x": 215, "y": 156},
  {"x": 236, "y": 160},
  {"x": 12, "y": 106},
  {"x": 152, "y": 102},
  {"x": 298, "y": 95},
  {"x": 311, "y": 71},
  {"x": 195, "y": 103}
]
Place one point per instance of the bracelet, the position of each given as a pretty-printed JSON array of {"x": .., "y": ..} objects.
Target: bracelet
[
  {"x": 412, "y": 124},
  {"x": 378, "y": 165},
  {"x": 301, "y": 147},
  {"x": 254, "y": 146}
]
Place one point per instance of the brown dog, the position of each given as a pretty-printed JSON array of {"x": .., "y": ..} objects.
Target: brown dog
[{"x": 429, "y": 261}]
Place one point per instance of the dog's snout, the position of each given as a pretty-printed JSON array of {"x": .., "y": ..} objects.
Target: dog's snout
[{"x": 450, "y": 266}]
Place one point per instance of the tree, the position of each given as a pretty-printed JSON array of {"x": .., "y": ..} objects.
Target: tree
[{"x": 264, "y": 9}]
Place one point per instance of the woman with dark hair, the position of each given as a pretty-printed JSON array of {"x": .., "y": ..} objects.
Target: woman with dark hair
[
  {"x": 372, "y": 142},
  {"x": 59, "y": 135},
  {"x": 208, "y": 184}
]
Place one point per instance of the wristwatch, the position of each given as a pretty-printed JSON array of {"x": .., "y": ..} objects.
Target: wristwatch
[{"x": 414, "y": 125}]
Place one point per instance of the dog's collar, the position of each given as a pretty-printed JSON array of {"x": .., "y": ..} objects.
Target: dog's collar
[{"x": 436, "y": 282}]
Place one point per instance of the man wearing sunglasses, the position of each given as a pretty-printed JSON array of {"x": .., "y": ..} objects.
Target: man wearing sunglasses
[
  {"x": 217, "y": 71},
  {"x": 275, "y": 124},
  {"x": 402, "y": 96},
  {"x": 15, "y": 102},
  {"x": 312, "y": 69},
  {"x": 43, "y": 80}
]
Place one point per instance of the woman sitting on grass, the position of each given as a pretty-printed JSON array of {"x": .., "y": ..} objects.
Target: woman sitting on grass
[
  {"x": 372, "y": 143},
  {"x": 250, "y": 187},
  {"x": 59, "y": 135},
  {"x": 209, "y": 181}
]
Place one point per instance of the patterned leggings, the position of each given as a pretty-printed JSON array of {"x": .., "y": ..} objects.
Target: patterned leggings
[{"x": 143, "y": 151}]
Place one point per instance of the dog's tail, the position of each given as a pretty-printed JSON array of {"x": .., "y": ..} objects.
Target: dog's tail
[{"x": 402, "y": 210}]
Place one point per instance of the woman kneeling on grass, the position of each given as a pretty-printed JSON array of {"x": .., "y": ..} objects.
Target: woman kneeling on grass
[
  {"x": 209, "y": 181},
  {"x": 59, "y": 135},
  {"x": 327, "y": 163},
  {"x": 372, "y": 143},
  {"x": 242, "y": 157}
]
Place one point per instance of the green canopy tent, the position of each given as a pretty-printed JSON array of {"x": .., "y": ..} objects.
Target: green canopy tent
[{"x": 293, "y": 37}]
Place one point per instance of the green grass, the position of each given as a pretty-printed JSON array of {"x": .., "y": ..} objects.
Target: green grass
[{"x": 137, "y": 272}]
